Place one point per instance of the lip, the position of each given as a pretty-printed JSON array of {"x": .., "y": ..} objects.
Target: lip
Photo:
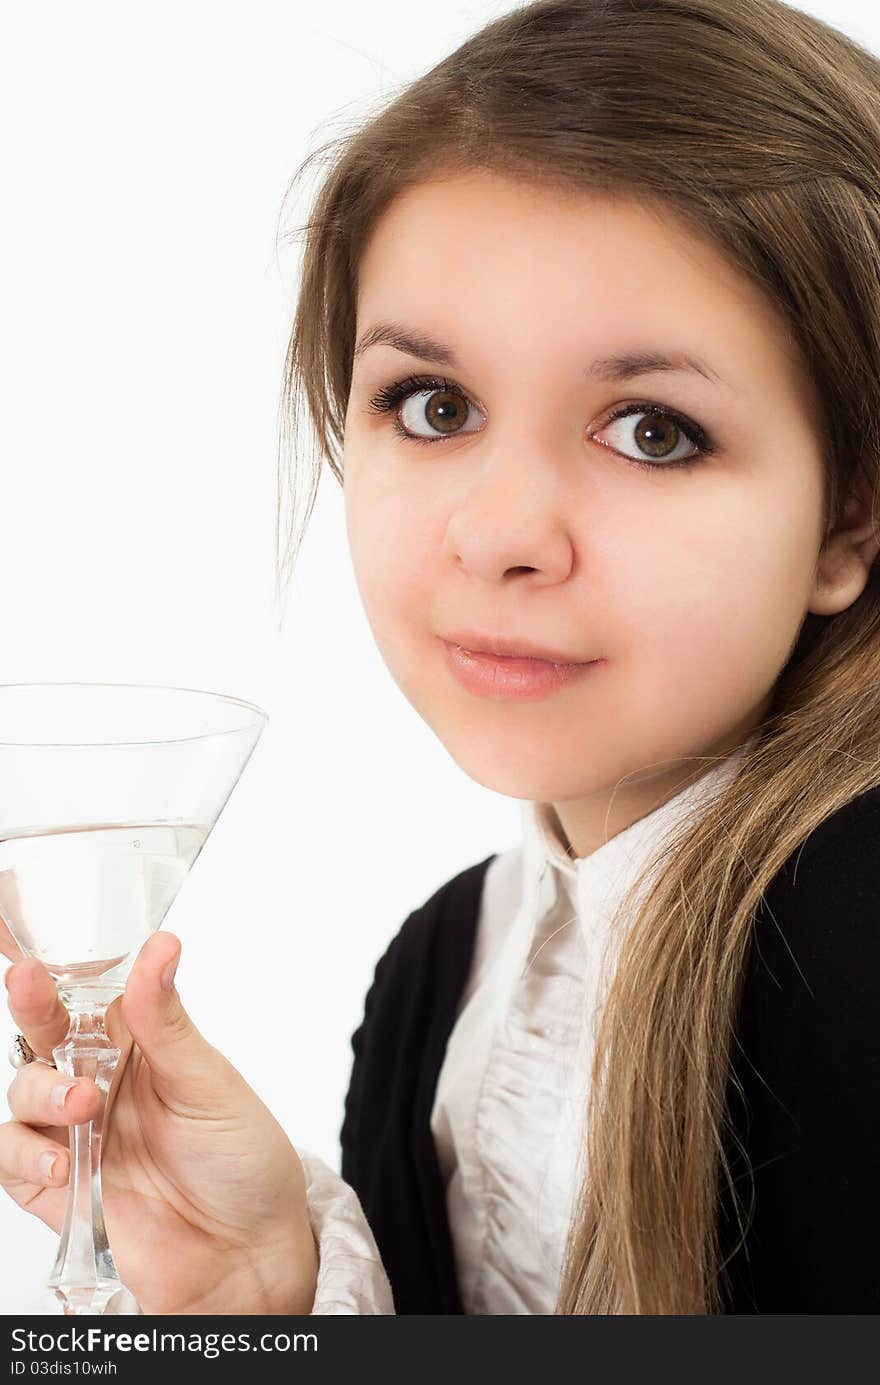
[
  {"x": 478, "y": 643},
  {"x": 509, "y": 676}
]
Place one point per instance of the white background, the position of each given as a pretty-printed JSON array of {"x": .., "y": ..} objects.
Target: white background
[{"x": 145, "y": 303}]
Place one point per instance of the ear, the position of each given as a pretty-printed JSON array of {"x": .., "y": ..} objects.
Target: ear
[{"x": 844, "y": 564}]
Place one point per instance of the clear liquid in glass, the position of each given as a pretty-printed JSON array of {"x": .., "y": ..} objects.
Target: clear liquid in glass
[{"x": 84, "y": 899}]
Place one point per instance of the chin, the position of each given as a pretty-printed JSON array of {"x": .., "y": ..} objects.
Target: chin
[{"x": 540, "y": 784}]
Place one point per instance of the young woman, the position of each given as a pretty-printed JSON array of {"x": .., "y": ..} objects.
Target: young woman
[{"x": 589, "y": 329}]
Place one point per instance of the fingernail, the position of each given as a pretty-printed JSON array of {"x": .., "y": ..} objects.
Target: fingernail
[
  {"x": 167, "y": 978},
  {"x": 47, "y": 1163},
  {"x": 59, "y": 1093}
]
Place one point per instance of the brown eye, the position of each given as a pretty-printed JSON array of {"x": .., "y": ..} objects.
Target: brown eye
[
  {"x": 656, "y": 434},
  {"x": 445, "y": 411},
  {"x": 437, "y": 411}
]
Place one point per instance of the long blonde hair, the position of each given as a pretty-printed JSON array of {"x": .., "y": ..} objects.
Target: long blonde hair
[{"x": 765, "y": 138}]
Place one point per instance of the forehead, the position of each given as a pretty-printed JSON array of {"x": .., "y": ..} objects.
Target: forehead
[
  {"x": 497, "y": 225},
  {"x": 471, "y": 253}
]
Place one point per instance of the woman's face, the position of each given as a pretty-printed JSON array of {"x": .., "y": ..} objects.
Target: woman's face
[{"x": 524, "y": 512}]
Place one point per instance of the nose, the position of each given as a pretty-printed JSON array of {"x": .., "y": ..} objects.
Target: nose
[{"x": 513, "y": 515}]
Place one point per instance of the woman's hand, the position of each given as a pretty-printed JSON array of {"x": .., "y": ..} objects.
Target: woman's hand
[{"x": 204, "y": 1195}]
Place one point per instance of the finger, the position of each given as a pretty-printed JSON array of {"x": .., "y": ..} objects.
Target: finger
[
  {"x": 188, "y": 1074},
  {"x": 36, "y": 1007},
  {"x": 40, "y": 1096},
  {"x": 28, "y": 1157}
]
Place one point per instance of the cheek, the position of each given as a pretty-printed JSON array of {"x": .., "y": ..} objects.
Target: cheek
[
  {"x": 394, "y": 553},
  {"x": 712, "y": 610}
]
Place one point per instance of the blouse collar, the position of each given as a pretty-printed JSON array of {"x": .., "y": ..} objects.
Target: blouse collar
[{"x": 594, "y": 885}]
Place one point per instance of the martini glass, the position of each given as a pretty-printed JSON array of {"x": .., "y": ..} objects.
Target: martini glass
[{"x": 108, "y": 792}]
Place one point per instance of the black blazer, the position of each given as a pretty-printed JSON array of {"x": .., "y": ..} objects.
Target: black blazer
[{"x": 807, "y": 1056}]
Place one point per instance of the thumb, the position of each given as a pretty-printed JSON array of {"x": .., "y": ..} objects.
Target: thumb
[{"x": 188, "y": 1074}]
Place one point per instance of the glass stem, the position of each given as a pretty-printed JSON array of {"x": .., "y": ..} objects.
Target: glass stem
[{"x": 84, "y": 1277}]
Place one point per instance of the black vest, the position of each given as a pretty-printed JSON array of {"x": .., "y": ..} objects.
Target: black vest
[{"x": 803, "y": 1096}]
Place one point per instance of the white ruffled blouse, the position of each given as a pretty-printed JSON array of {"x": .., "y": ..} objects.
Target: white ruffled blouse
[{"x": 508, "y": 1115}]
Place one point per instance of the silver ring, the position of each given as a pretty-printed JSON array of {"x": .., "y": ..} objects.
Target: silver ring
[{"x": 21, "y": 1053}]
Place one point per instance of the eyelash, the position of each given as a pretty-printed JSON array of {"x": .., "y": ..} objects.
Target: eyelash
[{"x": 390, "y": 397}]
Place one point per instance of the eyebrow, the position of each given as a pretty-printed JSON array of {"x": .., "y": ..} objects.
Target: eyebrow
[{"x": 623, "y": 366}]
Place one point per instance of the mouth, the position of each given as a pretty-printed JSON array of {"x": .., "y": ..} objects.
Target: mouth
[
  {"x": 517, "y": 676},
  {"x": 504, "y": 647}
]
